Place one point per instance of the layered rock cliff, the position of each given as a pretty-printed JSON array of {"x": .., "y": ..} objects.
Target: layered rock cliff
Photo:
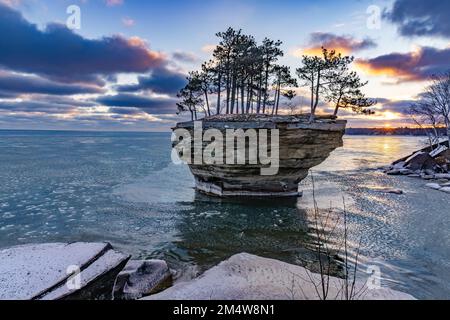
[{"x": 301, "y": 145}]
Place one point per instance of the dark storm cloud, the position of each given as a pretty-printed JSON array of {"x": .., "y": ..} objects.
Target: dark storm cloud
[
  {"x": 35, "y": 106},
  {"x": 45, "y": 104},
  {"x": 148, "y": 104},
  {"x": 400, "y": 106},
  {"x": 60, "y": 54},
  {"x": 421, "y": 18},
  {"x": 344, "y": 43},
  {"x": 125, "y": 111},
  {"x": 185, "y": 57},
  {"x": 161, "y": 80},
  {"x": 18, "y": 84},
  {"x": 412, "y": 66}
]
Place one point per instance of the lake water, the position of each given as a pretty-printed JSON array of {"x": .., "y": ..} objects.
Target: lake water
[{"x": 123, "y": 188}]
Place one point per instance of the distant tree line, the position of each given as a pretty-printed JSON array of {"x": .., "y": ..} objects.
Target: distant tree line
[
  {"x": 405, "y": 131},
  {"x": 244, "y": 77}
]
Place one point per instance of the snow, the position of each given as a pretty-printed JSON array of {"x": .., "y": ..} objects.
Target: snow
[
  {"x": 438, "y": 151},
  {"x": 26, "y": 271},
  {"x": 110, "y": 260},
  {"x": 248, "y": 277}
]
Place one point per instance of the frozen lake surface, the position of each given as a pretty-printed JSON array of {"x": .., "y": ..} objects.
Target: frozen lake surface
[{"x": 123, "y": 188}]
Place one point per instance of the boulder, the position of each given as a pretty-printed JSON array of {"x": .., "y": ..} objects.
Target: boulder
[
  {"x": 388, "y": 190},
  {"x": 445, "y": 189},
  {"x": 434, "y": 186},
  {"x": 394, "y": 172},
  {"x": 420, "y": 161},
  {"x": 249, "y": 277},
  {"x": 399, "y": 165},
  {"x": 140, "y": 278},
  {"x": 442, "y": 176}
]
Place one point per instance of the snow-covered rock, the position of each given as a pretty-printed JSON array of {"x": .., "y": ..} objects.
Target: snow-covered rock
[
  {"x": 442, "y": 176},
  {"x": 140, "y": 278},
  {"x": 434, "y": 186},
  {"x": 445, "y": 189},
  {"x": 439, "y": 150},
  {"x": 46, "y": 271},
  {"x": 388, "y": 190},
  {"x": 249, "y": 277}
]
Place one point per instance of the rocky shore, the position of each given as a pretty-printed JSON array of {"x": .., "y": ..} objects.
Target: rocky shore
[
  {"x": 96, "y": 271},
  {"x": 431, "y": 164}
]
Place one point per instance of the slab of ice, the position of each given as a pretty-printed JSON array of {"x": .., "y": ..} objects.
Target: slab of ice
[
  {"x": 250, "y": 277},
  {"x": 30, "y": 270}
]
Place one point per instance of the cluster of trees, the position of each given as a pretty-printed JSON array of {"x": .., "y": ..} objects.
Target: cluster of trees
[
  {"x": 432, "y": 111},
  {"x": 245, "y": 77}
]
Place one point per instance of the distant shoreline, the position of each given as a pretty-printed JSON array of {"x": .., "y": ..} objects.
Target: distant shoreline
[{"x": 349, "y": 131}]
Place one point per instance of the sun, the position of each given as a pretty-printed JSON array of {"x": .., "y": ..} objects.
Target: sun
[{"x": 388, "y": 115}]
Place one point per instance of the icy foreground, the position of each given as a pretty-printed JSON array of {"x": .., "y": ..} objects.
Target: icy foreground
[
  {"x": 248, "y": 277},
  {"x": 43, "y": 271}
]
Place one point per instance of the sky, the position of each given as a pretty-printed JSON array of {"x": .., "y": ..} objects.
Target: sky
[{"x": 118, "y": 64}]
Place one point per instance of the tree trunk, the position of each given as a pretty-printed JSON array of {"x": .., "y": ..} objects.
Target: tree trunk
[
  {"x": 242, "y": 98},
  {"x": 316, "y": 103},
  {"x": 278, "y": 99},
  {"x": 447, "y": 123},
  {"x": 218, "y": 91},
  {"x": 233, "y": 94},
  {"x": 258, "y": 106},
  {"x": 228, "y": 92},
  {"x": 249, "y": 95},
  {"x": 266, "y": 85},
  {"x": 207, "y": 103},
  {"x": 336, "y": 109}
]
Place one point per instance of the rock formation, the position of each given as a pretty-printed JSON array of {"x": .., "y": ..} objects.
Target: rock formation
[
  {"x": 302, "y": 145},
  {"x": 249, "y": 277},
  {"x": 431, "y": 164}
]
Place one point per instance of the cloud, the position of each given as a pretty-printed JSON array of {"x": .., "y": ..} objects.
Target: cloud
[
  {"x": 161, "y": 80},
  {"x": 152, "y": 105},
  {"x": 20, "y": 84},
  {"x": 421, "y": 18},
  {"x": 128, "y": 22},
  {"x": 185, "y": 56},
  {"x": 11, "y": 3},
  {"x": 209, "y": 48},
  {"x": 418, "y": 65},
  {"x": 396, "y": 106},
  {"x": 345, "y": 44},
  {"x": 40, "y": 106},
  {"x": 113, "y": 3},
  {"x": 62, "y": 55}
]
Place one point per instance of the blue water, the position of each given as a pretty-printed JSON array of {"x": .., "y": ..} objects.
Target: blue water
[{"x": 123, "y": 188}]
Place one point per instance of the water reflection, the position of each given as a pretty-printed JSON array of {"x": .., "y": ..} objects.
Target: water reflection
[{"x": 211, "y": 230}]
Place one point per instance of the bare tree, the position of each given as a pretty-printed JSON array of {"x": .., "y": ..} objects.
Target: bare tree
[{"x": 426, "y": 118}]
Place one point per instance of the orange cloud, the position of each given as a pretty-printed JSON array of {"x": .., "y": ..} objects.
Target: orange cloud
[
  {"x": 417, "y": 65},
  {"x": 341, "y": 44}
]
